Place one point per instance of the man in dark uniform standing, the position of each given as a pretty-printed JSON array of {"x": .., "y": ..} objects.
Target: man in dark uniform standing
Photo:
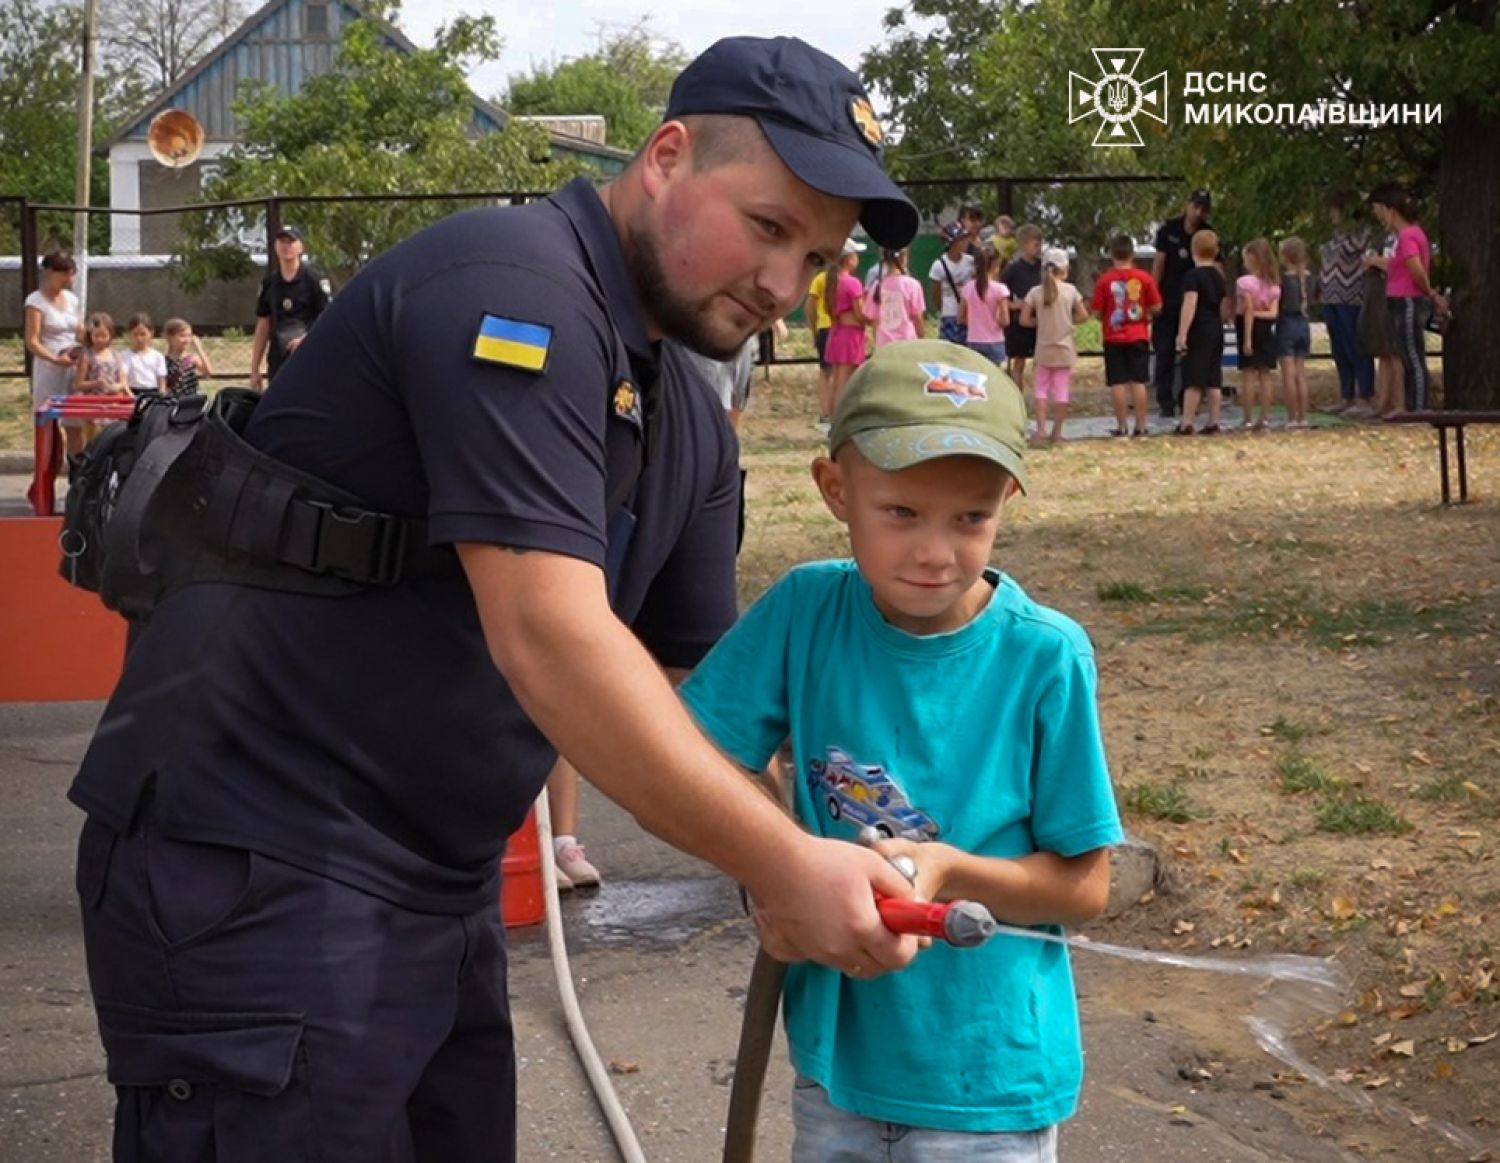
[
  {"x": 1174, "y": 258},
  {"x": 296, "y": 803},
  {"x": 292, "y": 296}
]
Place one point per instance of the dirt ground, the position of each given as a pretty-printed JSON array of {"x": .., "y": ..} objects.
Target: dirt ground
[{"x": 1300, "y": 687}]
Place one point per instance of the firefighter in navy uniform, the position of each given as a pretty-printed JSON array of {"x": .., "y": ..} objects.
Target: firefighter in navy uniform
[
  {"x": 292, "y": 296},
  {"x": 296, "y": 801}
]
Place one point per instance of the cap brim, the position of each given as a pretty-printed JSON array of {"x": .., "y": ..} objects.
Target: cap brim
[
  {"x": 888, "y": 215},
  {"x": 894, "y": 449}
]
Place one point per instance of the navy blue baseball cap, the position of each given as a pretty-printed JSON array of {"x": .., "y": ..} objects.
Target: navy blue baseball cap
[{"x": 816, "y": 115}]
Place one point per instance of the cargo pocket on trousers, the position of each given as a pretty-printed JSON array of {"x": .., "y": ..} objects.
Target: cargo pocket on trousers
[
  {"x": 96, "y": 843},
  {"x": 225, "y": 1087}
]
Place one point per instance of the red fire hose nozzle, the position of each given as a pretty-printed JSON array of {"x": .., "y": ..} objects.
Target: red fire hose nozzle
[{"x": 963, "y": 924}]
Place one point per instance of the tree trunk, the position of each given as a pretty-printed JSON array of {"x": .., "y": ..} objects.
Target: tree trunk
[{"x": 1469, "y": 237}]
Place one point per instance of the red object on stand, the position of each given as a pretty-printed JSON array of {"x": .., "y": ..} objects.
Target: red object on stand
[
  {"x": 49, "y": 444},
  {"x": 521, "y": 899}
]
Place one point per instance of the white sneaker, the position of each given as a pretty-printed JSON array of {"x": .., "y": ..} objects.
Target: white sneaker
[
  {"x": 564, "y": 882},
  {"x": 574, "y": 865}
]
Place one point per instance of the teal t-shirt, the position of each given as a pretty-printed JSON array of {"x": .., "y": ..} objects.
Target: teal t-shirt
[{"x": 986, "y": 738}]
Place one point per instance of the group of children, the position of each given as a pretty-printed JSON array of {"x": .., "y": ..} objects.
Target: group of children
[
  {"x": 141, "y": 369},
  {"x": 1026, "y": 309},
  {"x": 1270, "y": 306}
]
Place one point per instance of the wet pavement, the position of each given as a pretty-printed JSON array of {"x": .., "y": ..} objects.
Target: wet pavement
[{"x": 661, "y": 958}]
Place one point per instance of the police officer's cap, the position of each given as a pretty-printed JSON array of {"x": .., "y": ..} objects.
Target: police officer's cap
[{"x": 816, "y": 115}]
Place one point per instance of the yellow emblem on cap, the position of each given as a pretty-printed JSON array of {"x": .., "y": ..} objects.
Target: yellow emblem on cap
[
  {"x": 624, "y": 399},
  {"x": 865, "y": 121}
]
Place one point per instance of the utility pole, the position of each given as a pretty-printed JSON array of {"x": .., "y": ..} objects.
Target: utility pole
[{"x": 85, "y": 147}]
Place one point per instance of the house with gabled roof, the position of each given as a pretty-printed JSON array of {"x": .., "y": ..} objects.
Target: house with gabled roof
[{"x": 281, "y": 44}]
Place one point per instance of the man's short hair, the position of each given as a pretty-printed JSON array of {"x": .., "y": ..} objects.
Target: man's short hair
[
  {"x": 1121, "y": 246},
  {"x": 1205, "y": 244},
  {"x": 721, "y": 139},
  {"x": 1029, "y": 233}
]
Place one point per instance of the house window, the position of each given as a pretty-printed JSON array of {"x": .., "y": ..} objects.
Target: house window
[{"x": 315, "y": 23}]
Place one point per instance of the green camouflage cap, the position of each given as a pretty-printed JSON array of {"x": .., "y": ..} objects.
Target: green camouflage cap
[{"x": 923, "y": 399}]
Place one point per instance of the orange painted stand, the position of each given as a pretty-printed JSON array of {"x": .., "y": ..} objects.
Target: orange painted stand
[
  {"x": 57, "y": 643},
  {"x": 521, "y": 899}
]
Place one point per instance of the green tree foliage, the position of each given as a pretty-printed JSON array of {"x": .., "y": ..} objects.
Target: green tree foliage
[
  {"x": 980, "y": 86},
  {"x": 626, "y": 80},
  {"x": 39, "y": 75},
  {"x": 383, "y": 121}
]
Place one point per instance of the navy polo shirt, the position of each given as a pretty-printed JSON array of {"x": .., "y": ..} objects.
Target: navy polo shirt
[
  {"x": 1175, "y": 241},
  {"x": 370, "y": 738}
]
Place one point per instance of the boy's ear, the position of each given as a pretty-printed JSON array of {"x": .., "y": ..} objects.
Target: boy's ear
[{"x": 829, "y": 478}]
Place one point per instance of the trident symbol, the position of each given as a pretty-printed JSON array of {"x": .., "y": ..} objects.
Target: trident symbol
[{"x": 1117, "y": 96}]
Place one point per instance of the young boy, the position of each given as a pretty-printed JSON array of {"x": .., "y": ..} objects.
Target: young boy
[
  {"x": 948, "y": 274},
  {"x": 1020, "y": 275},
  {"x": 927, "y": 697},
  {"x": 1200, "y": 335},
  {"x": 1125, "y": 299}
]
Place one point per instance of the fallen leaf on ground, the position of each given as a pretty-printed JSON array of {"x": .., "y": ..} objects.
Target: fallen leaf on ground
[
  {"x": 1406, "y": 1048},
  {"x": 1341, "y": 908}
]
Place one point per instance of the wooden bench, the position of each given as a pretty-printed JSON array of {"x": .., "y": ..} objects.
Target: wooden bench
[{"x": 1443, "y": 421}]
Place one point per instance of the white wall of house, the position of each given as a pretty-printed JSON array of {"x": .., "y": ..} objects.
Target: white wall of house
[{"x": 138, "y": 181}]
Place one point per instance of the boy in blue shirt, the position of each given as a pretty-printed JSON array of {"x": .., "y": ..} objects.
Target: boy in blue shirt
[{"x": 927, "y": 697}]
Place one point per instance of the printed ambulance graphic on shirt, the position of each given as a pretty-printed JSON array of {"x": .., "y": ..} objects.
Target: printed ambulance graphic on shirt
[{"x": 865, "y": 796}]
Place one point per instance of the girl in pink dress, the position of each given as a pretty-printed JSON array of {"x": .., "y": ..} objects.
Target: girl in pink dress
[
  {"x": 843, "y": 297},
  {"x": 984, "y": 307},
  {"x": 895, "y": 304}
]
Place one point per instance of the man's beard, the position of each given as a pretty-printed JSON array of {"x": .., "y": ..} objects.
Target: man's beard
[{"x": 681, "y": 319}]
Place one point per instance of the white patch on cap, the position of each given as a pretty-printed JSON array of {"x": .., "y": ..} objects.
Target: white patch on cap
[{"x": 958, "y": 384}]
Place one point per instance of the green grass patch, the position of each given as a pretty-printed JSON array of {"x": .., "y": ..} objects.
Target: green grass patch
[
  {"x": 1301, "y": 775},
  {"x": 1450, "y": 789},
  {"x": 1294, "y": 612},
  {"x": 1160, "y": 802},
  {"x": 1308, "y": 878},
  {"x": 1289, "y": 732},
  {"x": 1360, "y": 815},
  {"x": 1128, "y": 591},
  {"x": 1377, "y": 623},
  {"x": 1124, "y": 592}
]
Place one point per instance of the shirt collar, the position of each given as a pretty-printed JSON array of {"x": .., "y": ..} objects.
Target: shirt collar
[{"x": 580, "y": 203}]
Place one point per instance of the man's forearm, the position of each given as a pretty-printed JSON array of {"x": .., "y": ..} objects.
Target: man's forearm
[{"x": 596, "y": 693}]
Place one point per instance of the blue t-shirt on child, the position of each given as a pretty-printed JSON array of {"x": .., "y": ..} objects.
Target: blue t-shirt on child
[{"x": 986, "y": 738}]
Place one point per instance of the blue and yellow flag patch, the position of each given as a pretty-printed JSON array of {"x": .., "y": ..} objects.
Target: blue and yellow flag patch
[{"x": 513, "y": 343}]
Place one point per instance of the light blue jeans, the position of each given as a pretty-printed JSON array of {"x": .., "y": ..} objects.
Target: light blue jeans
[{"x": 825, "y": 1134}]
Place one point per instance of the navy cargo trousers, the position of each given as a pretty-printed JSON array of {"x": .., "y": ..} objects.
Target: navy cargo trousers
[{"x": 253, "y": 1011}]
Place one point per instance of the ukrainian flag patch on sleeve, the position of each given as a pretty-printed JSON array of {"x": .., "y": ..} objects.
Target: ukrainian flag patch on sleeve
[{"x": 512, "y": 343}]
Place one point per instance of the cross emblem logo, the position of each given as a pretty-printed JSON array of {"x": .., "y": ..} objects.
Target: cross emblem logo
[{"x": 1116, "y": 96}]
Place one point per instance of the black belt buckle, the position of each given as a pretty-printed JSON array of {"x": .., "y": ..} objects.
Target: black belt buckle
[{"x": 358, "y": 544}]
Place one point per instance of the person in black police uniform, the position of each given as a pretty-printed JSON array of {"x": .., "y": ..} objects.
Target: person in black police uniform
[
  {"x": 292, "y": 296},
  {"x": 296, "y": 803},
  {"x": 1174, "y": 258}
]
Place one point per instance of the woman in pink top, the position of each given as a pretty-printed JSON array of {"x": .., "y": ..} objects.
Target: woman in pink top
[
  {"x": 984, "y": 307},
  {"x": 843, "y": 299},
  {"x": 895, "y": 303},
  {"x": 1410, "y": 296}
]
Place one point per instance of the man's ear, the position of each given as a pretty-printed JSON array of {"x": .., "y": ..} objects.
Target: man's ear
[
  {"x": 829, "y": 478},
  {"x": 667, "y": 151}
]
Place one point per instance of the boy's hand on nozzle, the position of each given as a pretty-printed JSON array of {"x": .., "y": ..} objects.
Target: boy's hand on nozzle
[
  {"x": 818, "y": 904},
  {"x": 934, "y": 864}
]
